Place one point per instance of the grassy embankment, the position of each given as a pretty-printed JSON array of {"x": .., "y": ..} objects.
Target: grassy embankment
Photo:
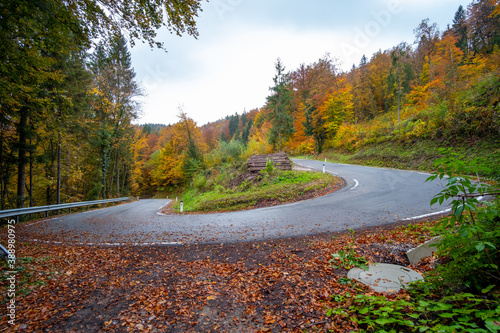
[
  {"x": 419, "y": 155},
  {"x": 228, "y": 189},
  {"x": 468, "y": 121}
]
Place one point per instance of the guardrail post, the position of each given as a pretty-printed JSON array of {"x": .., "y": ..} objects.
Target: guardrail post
[{"x": 6, "y": 253}]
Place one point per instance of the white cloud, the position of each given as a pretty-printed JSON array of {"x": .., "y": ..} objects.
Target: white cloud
[
  {"x": 235, "y": 73},
  {"x": 231, "y": 66}
]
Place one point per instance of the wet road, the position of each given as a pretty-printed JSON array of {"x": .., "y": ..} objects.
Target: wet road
[{"x": 371, "y": 197}]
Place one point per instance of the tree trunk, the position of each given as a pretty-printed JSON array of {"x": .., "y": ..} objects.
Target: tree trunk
[
  {"x": 31, "y": 175},
  {"x": 4, "y": 171},
  {"x": 112, "y": 180},
  {"x": 59, "y": 170},
  {"x": 125, "y": 174},
  {"x": 22, "y": 160},
  {"x": 49, "y": 174},
  {"x": 104, "y": 171},
  {"x": 117, "y": 177}
]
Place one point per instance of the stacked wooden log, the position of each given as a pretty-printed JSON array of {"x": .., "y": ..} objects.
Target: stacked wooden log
[{"x": 257, "y": 163}]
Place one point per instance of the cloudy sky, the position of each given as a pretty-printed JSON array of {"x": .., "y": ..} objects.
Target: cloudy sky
[{"x": 230, "y": 67}]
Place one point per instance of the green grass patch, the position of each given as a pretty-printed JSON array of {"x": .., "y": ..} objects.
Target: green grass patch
[{"x": 280, "y": 186}]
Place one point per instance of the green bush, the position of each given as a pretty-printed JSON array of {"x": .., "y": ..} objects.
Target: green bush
[
  {"x": 462, "y": 312},
  {"x": 269, "y": 166},
  {"x": 200, "y": 182},
  {"x": 227, "y": 152},
  {"x": 471, "y": 234},
  {"x": 460, "y": 295}
]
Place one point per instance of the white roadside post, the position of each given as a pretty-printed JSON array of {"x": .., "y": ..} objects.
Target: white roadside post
[
  {"x": 323, "y": 168},
  {"x": 182, "y": 206}
]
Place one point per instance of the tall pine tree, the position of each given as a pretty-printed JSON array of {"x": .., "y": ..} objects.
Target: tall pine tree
[{"x": 279, "y": 104}]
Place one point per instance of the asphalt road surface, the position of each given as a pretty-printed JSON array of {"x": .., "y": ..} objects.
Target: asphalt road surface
[{"x": 371, "y": 197}]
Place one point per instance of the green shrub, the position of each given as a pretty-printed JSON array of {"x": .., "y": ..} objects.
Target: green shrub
[
  {"x": 462, "y": 312},
  {"x": 471, "y": 234},
  {"x": 269, "y": 166},
  {"x": 460, "y": 295},
  {"x": 200, "y": 182}
]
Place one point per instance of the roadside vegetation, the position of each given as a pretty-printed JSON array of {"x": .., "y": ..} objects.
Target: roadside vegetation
[
  {"x": 229, "y": 188},
  {"x": 416, "y": 141},
  {"x": 418, "y": 155},
  {"x": 461, "y": 293}
]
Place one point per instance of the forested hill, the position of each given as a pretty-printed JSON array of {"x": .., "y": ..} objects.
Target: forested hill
[
  {"x": 67, "y": 133},
  {"x": 395, "y": 108}
]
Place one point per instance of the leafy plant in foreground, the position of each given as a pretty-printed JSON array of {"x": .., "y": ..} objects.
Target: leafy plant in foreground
[
  {"x": 462, "y": 312},
  {"x": 471, "y": 234},
  {"x": 470, "y": 242},
  {"x": 348, "y": 260}
]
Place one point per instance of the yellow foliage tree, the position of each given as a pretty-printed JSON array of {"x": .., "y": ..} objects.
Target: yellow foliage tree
[
  {"x": 177, "y": 142},
  {"x": 337, "y": 108},
  {"x": 168, "y": 171}
]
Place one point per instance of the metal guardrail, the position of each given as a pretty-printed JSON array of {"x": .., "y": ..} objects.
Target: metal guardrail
[{"x": 46, "y": 209}]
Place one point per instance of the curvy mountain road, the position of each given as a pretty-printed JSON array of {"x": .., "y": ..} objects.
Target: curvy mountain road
[{"x": 371, "y": 197}]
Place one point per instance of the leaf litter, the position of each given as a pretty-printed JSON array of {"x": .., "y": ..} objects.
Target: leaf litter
[{"x": 281, "y": 285}]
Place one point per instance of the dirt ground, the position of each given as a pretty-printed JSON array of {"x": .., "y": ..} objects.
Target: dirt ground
[{"x": 283, "y": 285}]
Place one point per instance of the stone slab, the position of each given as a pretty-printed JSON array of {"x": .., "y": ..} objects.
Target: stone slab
[
  {"x": 385, "y": 277},
  {"x": 422, "y": 251}
]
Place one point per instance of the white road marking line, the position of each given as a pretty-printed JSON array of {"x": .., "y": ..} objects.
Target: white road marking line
[
  {"x": 45, "y": 220},
  {"x": 280, "y": 206},
  {"x": 111, "y": 244},
  {"x": 168, "y": 201},
  {"x": 427, "y": 215},
  {"x": 357, "y": 183},
  {"x": 436, "y": 213}
]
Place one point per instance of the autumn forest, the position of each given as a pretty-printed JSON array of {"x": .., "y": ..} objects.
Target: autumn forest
[{"x": 68, "y": 132}]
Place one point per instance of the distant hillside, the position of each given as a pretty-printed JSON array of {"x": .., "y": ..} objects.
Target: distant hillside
[
  {"x": 393, "y": 109},
  {"x": 151, "y": 128}
]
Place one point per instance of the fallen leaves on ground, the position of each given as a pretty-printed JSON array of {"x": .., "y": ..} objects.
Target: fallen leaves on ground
[{"x": 270, "y": 286}]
